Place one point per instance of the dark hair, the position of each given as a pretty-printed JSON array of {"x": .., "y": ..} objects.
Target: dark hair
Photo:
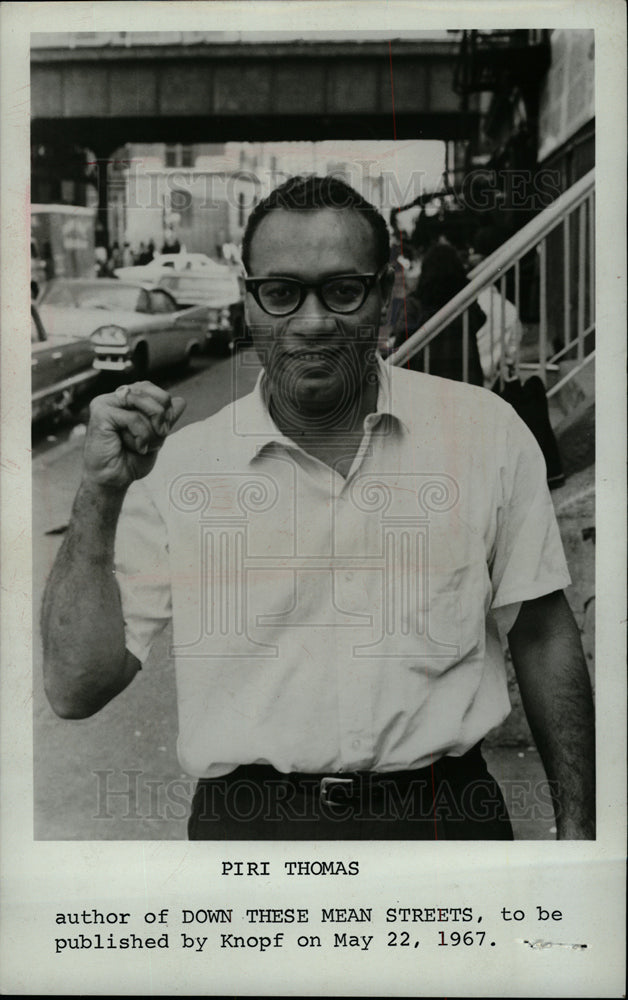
[
  {"x": 298, "y": 194},
  {"x": 487, "y": 239},
  {"x": 442, "y": 275}
]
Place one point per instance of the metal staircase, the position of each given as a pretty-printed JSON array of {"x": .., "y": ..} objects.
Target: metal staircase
[{"x": 558, "y": 248}]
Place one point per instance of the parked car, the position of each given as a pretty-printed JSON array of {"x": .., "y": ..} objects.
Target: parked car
[
  {"x": 62, "y": 372},
  {"x": 133, "y": 328},
  {"x": 217, "y": 289},
  {"x": 166, "y": 263}
]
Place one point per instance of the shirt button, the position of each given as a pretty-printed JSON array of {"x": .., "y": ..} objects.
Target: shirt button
[{"x": 356, "y": 745}]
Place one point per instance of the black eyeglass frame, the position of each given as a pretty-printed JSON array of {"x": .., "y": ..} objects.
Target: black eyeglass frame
[{"x": 368, "y": 281}]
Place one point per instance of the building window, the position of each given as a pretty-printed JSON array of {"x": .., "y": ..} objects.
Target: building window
[{"x": 177, "y": 155}]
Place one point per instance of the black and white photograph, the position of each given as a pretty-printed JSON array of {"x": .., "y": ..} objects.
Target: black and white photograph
[{"x": 320, "y": 471}]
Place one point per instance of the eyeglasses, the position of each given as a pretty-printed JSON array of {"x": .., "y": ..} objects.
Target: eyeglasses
[{"x": 342, "y": 293}]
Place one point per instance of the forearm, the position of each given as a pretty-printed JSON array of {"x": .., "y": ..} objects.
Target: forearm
[
  {"x": 85, "y": 661},
  {"x": 557, "y": 698}
]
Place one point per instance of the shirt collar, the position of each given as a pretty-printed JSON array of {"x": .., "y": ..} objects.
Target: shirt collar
[
  {"x": 388, "y": 402},
  {"x": 256, "y": 425}
]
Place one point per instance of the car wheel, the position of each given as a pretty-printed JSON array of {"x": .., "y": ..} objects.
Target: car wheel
[{"x": 192, "y": 356}]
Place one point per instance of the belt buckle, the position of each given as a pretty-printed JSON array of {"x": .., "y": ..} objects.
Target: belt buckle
[{"x": 327, "y": 784}]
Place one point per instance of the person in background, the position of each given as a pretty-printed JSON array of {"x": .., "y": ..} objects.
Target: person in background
[
  {"x": 100, "y": 262},
  {"x": 116, "y": 257},
  {"x": 489, "y": 337},
  {"x": 404, "y": 282},
  {"x": 171, "y": 243},
  {"x": 128, "y": 257},
  {"x": 442, "y": 276}
]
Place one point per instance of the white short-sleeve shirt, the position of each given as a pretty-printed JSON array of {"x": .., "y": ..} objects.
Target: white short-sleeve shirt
[{"x": 328, "y": 624}]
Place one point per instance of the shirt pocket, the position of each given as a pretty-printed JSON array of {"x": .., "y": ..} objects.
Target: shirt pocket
[
  {"x": 431, "y": 633},
  {"x": 449, "y": 631}
]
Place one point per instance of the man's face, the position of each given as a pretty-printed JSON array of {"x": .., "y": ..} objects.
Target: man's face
[{"x": 317, "y": 361}]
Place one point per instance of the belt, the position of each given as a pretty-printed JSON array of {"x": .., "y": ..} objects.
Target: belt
[{"x": 336, "y": 788}]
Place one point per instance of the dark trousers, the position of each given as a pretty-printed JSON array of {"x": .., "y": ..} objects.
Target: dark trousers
[{"x": 454, "y": 799}]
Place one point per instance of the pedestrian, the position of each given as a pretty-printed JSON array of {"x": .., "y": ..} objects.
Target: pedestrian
[
  {"x": 496, "y": 346},
  {"x": 340, "y": 552},
  {"x": 116, "y": 256},
  {"x": 442, "y": 276},
  {"x": 100, "y": 262},
  {"x": 128, "y": 257},
  {"x": 171, "y": 243}
]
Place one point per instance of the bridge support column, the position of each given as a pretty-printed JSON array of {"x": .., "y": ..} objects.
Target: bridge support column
[{"x": 103, "y": 158}]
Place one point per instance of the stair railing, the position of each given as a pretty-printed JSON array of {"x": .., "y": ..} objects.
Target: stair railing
[{"x": 572, "y": 215}]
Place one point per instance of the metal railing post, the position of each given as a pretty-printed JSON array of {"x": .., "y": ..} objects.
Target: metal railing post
[
  {"x": 591, "y": 204},
  {"x": 465, "y": 346},
  {"x": 502, "y": 337},
  {"x": 518, "y": 330},
  {"x": 542, "y": 311},
  {"x": 493, "y": 370},
  {"x": 566, "y": 278},
  {"x": 582, "y": 218}
]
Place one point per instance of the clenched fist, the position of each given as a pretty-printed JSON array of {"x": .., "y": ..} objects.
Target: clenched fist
[{"x": 126, "y": 429}]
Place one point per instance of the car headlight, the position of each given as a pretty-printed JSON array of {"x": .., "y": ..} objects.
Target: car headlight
[{"x": 109, "y": 335}]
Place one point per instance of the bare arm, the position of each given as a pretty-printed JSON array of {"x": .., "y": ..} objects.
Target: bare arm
[
  {"x": 85, "y": 660},
  {"x": 557, "y": 698}
]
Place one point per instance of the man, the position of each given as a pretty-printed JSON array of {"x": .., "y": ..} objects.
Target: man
[{"x": 339, "y": 553}]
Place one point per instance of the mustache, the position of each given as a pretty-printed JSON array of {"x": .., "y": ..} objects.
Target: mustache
[
  {"x": 313, "y": 326},
  {"x": 301, "y": 326}
]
